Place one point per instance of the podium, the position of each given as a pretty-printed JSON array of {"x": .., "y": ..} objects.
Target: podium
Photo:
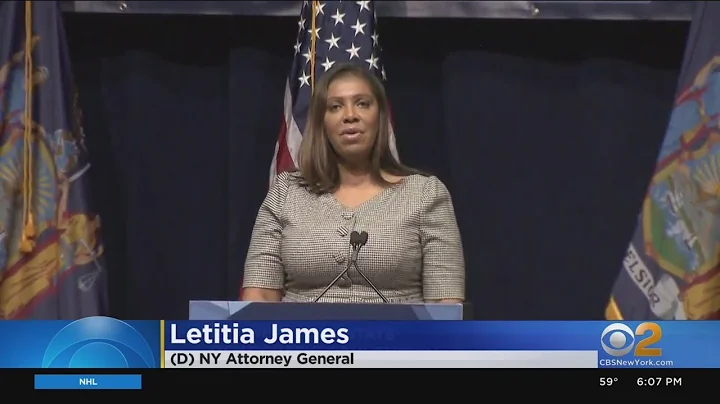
[{"x": 281, "y": 311}]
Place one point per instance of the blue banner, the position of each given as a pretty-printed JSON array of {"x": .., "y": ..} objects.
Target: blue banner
[
  {"x": 661, "y": 344},
  {"x": 103, "y": 342}
]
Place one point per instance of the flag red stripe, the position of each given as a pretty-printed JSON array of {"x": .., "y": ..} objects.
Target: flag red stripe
[{"x": 284, "y": 160}]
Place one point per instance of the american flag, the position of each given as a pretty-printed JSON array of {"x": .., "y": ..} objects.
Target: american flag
[{"x": 345, "y": 31}]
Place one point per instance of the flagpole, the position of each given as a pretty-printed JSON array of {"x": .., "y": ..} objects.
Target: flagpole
[{"x": 313, "y": 32}]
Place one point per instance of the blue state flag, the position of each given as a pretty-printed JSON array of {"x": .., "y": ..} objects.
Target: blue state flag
[
  {"x": 50, "y": 247},
  {"x": 671, "y": 269}
]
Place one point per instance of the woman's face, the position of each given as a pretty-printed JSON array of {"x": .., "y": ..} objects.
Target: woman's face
[{"x": 351, "y": 118}]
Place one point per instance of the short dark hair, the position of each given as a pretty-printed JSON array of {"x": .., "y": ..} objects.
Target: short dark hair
[{"x": 318, "y": 163}]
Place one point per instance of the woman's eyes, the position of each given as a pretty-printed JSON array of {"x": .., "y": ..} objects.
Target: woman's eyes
[{"x": 362, "y": 104}]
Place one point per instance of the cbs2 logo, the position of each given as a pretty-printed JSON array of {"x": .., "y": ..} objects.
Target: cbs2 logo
[{"x": 618, "y": 339}]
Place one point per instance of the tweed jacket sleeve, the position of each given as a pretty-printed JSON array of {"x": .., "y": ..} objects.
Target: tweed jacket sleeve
[
  {"x": 443, "y": 274},
  {"x": 263, "y": 265}
]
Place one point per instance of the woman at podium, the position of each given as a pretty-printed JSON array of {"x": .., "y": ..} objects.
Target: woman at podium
[{"x": 352, "y": 224}]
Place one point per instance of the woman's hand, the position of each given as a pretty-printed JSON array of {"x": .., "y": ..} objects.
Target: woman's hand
[{"x": 261, "y": 295}]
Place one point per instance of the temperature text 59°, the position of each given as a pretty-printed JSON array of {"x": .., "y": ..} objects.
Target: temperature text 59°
[{"x": 608, "y": 381}]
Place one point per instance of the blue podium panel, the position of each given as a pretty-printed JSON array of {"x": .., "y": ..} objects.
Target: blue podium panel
[{"x": 233, "y": 310}]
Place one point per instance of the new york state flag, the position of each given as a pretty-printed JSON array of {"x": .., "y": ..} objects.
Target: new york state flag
[{"x": 51, "y": 253}]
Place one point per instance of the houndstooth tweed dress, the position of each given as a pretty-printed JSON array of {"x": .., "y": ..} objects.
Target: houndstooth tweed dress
[{"x": 301, "y": 242}]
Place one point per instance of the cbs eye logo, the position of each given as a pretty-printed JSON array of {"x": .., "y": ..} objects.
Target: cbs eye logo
[
  {"x": 98, "y": 342},
  {"x": 618, "y": 339}
]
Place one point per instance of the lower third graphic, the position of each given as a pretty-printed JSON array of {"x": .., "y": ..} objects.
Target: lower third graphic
[{"x": 99, "y": 342}]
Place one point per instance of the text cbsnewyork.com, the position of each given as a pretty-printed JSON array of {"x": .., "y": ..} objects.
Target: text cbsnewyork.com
[{"x": 227, "y": 359}]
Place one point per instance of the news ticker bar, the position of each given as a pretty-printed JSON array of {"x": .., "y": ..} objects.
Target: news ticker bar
[
  {"x": 632, "y": 383},
  {"x": 381, "y": 359}
]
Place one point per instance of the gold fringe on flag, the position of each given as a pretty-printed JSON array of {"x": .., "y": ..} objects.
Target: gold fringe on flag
[
  {"x": 612, "y": 311},
  {"x": 27, "y": 244}
]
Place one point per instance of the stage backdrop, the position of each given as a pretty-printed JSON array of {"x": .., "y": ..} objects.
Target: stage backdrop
[
  {"x": 546, "y": 133},
  {"x": 594, "y": 10}
]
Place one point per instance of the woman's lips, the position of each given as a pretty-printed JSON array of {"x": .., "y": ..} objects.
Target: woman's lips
[{"x": 351, "y": 134}]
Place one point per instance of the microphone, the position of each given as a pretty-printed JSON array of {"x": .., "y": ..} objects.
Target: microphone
[
  {"x": 357, "y": 241},
  {"x": 362, "y": 240}
]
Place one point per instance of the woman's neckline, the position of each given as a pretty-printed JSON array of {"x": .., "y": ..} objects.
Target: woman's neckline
[{"x": 372, "y": 200}]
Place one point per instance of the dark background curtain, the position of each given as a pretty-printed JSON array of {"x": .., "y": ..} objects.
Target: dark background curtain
[{"x": 546, "y": 133}]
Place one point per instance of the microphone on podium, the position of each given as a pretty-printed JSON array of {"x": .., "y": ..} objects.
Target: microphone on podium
[
  {"x": 357, "y": 241},
  {"x": 362, "y": 239}
]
